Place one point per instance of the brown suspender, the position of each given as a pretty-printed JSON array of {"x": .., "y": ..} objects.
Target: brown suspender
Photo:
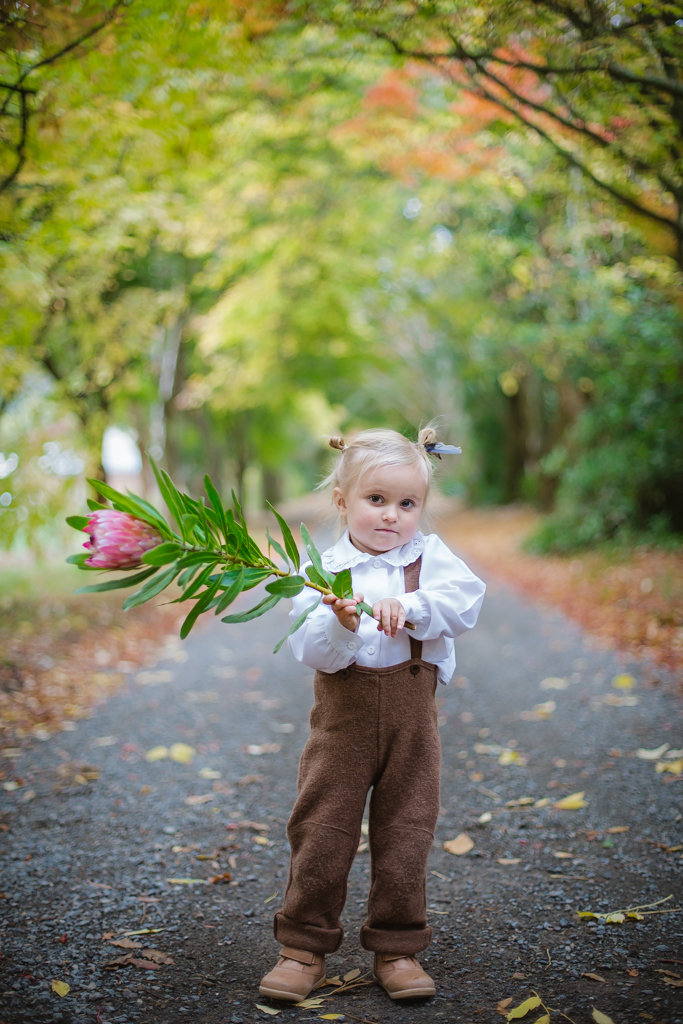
[{"x": 411, "y": 575}]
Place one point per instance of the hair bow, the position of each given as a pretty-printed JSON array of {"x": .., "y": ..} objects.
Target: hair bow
[{"x": 438, "y": 449}]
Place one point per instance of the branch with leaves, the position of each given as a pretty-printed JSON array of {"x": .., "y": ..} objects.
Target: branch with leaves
[{"x": 211, "y": 556}]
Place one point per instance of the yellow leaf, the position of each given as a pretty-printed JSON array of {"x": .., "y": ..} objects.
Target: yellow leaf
[
  {"x": 543, "y": 802},
  {"x": 310, "y": 1004},
  {"x": 156, "y": 754},
  {"x": 601, "y": 1018},
  {"x": 563, "y": 855},
  {"x": 509, "y": 860},
  {"x": 573, "y": 802},
  {"x": 508, "y": 757},
  {"x": 484, "y": 818},
  {"x": 182, "y": 753},
  {"x": 60, "y": 987},
  {"x": 266, "y": 1009},
  {"x": 616, "y": 918},
  {"x": 623, "y": 682},
  {"x": 521, "y": 1011},
  {"x": 352, "y": 974},
  {"x": 617, "y": 828},
  {"x": 545, "y": 1019},
  {"x": 261, "y": 840},
  {"x": 186, "y": 881},
  {"x": 636, "y": 915},
  {"x": 331, "y": 1016},
  {"x": 589, "y": 913},
  {"x": 460, "y": 845},
  {"x": 675, "y": 767},
  {"x": 594, "y": 977}
]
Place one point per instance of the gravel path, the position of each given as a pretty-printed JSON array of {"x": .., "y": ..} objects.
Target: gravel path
[{"x": 85, "y": 857}]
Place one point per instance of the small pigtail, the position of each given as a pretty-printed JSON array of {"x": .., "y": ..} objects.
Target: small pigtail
[
  {"x": 426, "y": 436},
  {"x": 338, "y": 443}
]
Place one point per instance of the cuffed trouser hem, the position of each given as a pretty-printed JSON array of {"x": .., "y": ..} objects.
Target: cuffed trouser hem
[
  {"x": 308, "y": 937},
  {"x": 383, "y": 940}
]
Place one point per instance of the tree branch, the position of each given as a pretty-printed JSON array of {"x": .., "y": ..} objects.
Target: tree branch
[{"x": 21, "y": 147}]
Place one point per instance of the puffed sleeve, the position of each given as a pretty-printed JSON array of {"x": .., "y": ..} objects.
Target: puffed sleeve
[
  {"x": 322, "y": 642},
  {"x": 450, "y": 595}
]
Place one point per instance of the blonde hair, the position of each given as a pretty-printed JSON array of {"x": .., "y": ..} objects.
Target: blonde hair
[{"x": 374, "y": 448}]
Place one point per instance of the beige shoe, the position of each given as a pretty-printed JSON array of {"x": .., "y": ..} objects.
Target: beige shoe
[
  {"x": 296, "y": 974},
  {"x": 402, "y": 977}
]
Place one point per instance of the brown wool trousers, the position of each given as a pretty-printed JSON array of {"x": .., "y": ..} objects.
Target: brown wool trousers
[{"x": 370, "y": 729}]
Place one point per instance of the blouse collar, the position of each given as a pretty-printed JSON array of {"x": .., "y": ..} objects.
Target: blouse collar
[{"x": 345, "y": 556}]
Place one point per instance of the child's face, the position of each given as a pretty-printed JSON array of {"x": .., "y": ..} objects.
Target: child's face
[{"x": 383, "y": 509}]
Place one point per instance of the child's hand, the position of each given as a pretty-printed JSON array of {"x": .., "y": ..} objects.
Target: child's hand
[
  {"x": 345, "y": 609},
  {"x": 390, "y": 615}
]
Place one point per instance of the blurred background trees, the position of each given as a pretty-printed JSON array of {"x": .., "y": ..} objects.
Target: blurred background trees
[{"x": 231, "y": 229}]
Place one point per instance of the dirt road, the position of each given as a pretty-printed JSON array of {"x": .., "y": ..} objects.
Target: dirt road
[{"x": 93, "y": 833}]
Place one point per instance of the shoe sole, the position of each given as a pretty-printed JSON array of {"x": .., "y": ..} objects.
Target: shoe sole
[
  {"x": 407, "y": 993},
  {"x": 288, "y": 997}
]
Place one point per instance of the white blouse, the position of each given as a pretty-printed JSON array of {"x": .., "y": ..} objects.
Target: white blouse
[{"x": 447, "y": 604}]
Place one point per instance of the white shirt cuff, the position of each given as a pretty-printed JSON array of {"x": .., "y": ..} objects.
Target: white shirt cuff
[
  {"x": 340, "y": 638},
  {"x": 414, "y": 608}
]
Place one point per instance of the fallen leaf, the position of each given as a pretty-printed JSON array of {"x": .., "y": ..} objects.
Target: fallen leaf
[
  {"x": 617, "y": 828},
  {"x": 264, "y": 748},
  {"x": 523, "y": 801},
  {"x": 355, "y": 973},
  {"x": 460, "y": 845},
  {"x": 225, "y": 877},
  {"x": 209, "y": 773},
  {"x": 186, "y": 881},
  {"x": 194, "y": 801},
  {"x": 671, "y": 974},
  {"x": 652, "y": 755},
  {"x": 675, "y": 983},
  {"x": 509, "y": 860},
  {"x": 147, "y": 965},
  {"x": 266, "y": 1009},
  {"x": 562, "y": 855},
  {"x": 508, "y": 757},
  {"x": 601, "y": 1018},
  {"x": 554, "y": 683},
  {"x": 594, "y": 977},
  {"x": 573, "y": 802},
  {"x": 521, "y": 1011},
  {"x": 543, "y": 802},
  {"x": 616, "y": 918},
  {"x": 632, "y": 972},
  {"x": 126, "y": 944},
  {"x": 331, "y": 1016},
  {"x": 503, "y": 1005},
  {"x": 157, "y": 956},
  {"x": 519, "y": 977},
  {"x": 484, "y": 818},
  {"x": 261, "y": 840},
  {"x": 623, "y": 682},
  {"x": 156, "y": 754},
  {"x": 182, "y": 753},
  {"x": 145, "y": 931},
  {"x": 310, "y": 1004},
  {"x": 545, "y": 1019},
  {"x": 60, "y": 987},
  {"x": 675, "y": 767}
]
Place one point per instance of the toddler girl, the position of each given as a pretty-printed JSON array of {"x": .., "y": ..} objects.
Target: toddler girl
[{"x": 374, "y": 722}]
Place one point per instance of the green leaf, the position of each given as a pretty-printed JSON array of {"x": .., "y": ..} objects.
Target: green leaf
[
  {"x": 315, "y": 577},
  {"x": 120, "y": 584},
  {"x": 95, "y": 505},
  {"x": 288, "y": 538},
  {"x": 169, "y": 492},
  {"x": 201, "y": 606},
  {"x": 126, "y": 503},
  {"x": 162, "y": 554},
  {"x": 231, "y": 593},
  {"x": 80, "y": 560},
  {"x": 238, "y": 507},
  {"x": 252, "y": 577},
  {"x": 78, "y": 522},
  {"x": 215, "y": 499},
  {"x": 187, "y": 575},
  {"x": 286, "y": 586},
  {"x": 189, "y": 523},
  {"x": 343, "y": 586},
  {"x": 151, "y": 589},
  {"x": 196, "y": 557},
  {"x": 253, "y": 613},
  {"x": 199, "y": 582},
  {"x": 314, "y": 556},
  {"x": 297, "y": 624},
  {"x": 278, "y": 547}
]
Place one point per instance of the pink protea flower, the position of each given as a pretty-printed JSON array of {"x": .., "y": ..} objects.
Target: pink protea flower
[{"x": 118, "y": 540}]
